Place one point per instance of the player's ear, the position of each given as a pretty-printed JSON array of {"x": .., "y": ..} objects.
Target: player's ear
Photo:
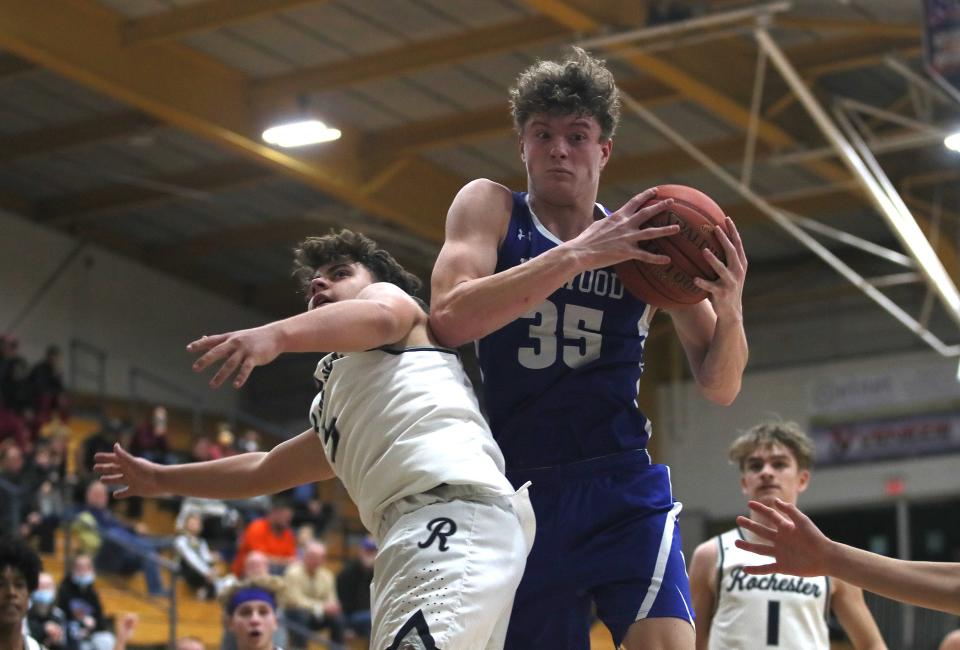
[
  {"x": 743, "y": 485},
  {"x": 804, "y": 480},
  {"x": 606, "y": 148},
  {"x": 523, "y": 157}
]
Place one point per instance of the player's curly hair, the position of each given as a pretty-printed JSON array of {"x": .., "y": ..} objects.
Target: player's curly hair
[
  {"x": 349, "y": 246},
  {"x": 773, "y": 432},
  {"x": 580, "y": 85},
  {"x": 16, "y": 554},
  {"x": 271, "y": 584}
]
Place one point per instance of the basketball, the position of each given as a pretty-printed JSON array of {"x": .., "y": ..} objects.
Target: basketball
[{"x": 672, "y": 285}]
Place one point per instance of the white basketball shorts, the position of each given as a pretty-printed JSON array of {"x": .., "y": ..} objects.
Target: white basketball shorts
[{"x": 449, "y": 563}]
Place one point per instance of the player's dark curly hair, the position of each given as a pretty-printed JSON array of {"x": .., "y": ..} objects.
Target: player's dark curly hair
[
  {"x": 18, "y": 555},
  {"x": 767, "y": 434},
  {"x": 349, "y": 246},
  {"x": 580, "y": 85}
]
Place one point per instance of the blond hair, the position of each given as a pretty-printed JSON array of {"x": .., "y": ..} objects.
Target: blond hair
[{"x": 767, "y": 434}]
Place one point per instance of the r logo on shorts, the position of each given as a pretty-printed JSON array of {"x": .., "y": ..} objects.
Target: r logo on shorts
[{"x": 440, "y": 528}]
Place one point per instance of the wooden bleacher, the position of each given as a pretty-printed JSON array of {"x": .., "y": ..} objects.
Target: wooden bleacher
[{"x": 195, "y": 617}]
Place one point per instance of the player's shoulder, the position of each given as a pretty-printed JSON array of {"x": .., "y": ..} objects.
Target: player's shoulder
[
  {"x": 483, "y": 192},
  {"x": 841, "y": 589},
  {"x": 705, "y": 556},
  {"x": 707, "y": 550}
]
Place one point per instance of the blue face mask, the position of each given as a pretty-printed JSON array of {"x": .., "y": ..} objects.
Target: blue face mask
[
  {"x": 84, "y": 580},
  {"x": 43, "y": 597}
]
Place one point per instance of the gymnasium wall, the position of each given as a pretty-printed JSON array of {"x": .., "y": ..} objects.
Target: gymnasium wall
[
  {"x": 139, "y": 316},
  {"x": 696, "y": 434}
]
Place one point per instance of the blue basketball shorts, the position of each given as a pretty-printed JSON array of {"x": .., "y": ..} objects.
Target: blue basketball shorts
[{"x": 607, "y": 534}]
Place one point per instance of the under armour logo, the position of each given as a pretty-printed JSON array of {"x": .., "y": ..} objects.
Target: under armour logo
[
  {"x": 440, "y": 528},
  {"x": 520, "y": 234}
]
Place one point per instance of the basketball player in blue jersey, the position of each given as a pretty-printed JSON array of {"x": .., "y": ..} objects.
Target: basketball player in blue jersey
[
  {"x": 739, "y": 610},
  {"x": 560, "y": 342}
]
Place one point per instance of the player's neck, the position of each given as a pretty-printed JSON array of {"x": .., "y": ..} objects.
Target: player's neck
[
  {"x": 11, "y": 638},
  {"x": 566, "y": 221},
  {"x": 760, "y": 519}
]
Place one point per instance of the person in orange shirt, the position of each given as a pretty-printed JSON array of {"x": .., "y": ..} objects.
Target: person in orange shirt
[{"x": 271, "y": 535}]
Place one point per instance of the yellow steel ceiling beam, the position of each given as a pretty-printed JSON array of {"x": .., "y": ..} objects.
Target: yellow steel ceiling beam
[
  {"x": 83, "y": 42},
  {"x": 693, "y": 89},
  {"x": 202, "y": 16},
  {"x": 472, "y": 126},
  {"x": 407, "y": 58}
]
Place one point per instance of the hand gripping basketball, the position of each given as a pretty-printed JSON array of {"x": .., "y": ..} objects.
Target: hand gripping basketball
[{"x": 673, "y": 284}]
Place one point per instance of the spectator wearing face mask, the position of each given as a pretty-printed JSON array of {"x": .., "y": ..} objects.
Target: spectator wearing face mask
[
  {"x": 77, "y": 596},
  {"x": 46, "y": 621}
]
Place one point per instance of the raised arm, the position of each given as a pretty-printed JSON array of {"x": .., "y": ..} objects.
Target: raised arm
[
  {"x": 381, "y": 314},
  {"x": 470, "y": 301},
  {"x": 467, "y": 300},
  {"x": 703, "y": 589},
  {"x": 711, "y": 331},
  {"x": 293, "y": 462},
  {"x": 799, "y": 548}
]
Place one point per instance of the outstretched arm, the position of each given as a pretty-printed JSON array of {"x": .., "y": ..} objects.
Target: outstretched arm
[
  {"x": 293, "y": 462},
  {"x": 381, "y": 314},
  {"x": 711, "y": 331},
  {"x": 470, "y": 300},
  {"x": 799, "y": 548}
]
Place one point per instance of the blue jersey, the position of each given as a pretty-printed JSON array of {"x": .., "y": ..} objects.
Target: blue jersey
[{"x": 560, "y": 383}]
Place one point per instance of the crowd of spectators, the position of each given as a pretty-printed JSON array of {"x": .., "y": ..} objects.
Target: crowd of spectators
[
  {"x": 30, "y": 396},
  {"x": 215, "y": 543}
]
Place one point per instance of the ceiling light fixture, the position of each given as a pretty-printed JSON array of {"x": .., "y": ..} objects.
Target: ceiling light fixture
[
  {"x": 952, "y": 141},
  {"x": 300, "y": 134}
]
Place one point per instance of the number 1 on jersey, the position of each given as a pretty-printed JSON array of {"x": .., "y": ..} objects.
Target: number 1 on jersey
[{"x": 773, "y": 623}]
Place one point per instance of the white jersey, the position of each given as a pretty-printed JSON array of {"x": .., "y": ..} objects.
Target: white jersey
[
  {"x": 769, "y": 611},
  {"x": 397, "y": 423}
]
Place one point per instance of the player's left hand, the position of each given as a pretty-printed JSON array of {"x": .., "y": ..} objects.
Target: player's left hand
[
  {"x": 726, "y": 292},
  {"x": 242, "y": 351},
  {"x": 794, "y": 541}
]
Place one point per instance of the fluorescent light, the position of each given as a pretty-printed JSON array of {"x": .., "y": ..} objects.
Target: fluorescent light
[
  {"x": 299, "y": 134},
  {"x": 952, "y": 141}
]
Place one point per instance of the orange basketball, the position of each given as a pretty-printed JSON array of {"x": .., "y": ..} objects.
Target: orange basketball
[{"x": 671, "y": 285}]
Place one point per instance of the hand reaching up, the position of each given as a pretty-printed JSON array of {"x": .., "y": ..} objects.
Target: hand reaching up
[
  {"x": 240, "y": 352},
  {"x": 118, "y": 467},
  {"x": 797, "y": 545}
]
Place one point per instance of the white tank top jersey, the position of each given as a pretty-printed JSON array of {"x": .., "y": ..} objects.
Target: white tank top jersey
[
  {"x": 395, "y": 423},
  {"x": 770, "y": 611}
]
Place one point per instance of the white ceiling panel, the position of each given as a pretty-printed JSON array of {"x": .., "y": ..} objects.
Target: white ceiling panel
[
  {"x": 408, "y": 21},
  {"x": 464, "y": 162},
  {"x": 461, "y": 86},
  {"x": 354, "y": 109},
  {"x": 407, "y": 100},
  {"x": 289, "y": 40},
  {"x": 478, "y": 14},
  {"x": 236, "y": 52},
  {"x": 136, "y": 8},
  {"x": 344, "y": 29}
]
